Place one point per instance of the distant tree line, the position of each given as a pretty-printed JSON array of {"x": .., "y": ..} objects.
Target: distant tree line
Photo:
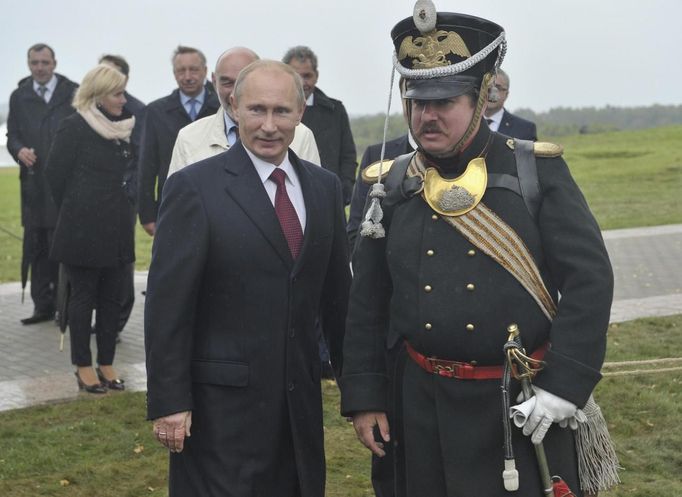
[
  {"x": 560, "y": 121},
  {"x": 567, "y": 121}
]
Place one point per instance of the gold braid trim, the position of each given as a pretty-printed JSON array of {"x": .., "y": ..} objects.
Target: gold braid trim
[
  {"x": 484, "y": 229},
  {"x": 499, "y": 241}
]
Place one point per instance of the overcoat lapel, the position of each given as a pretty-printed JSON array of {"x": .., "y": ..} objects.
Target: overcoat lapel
[
  {"x": 311, "y": 208},
  {"x": 245, "y": 187}
]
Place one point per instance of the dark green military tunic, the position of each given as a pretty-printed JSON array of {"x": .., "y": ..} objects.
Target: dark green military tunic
[{"x": 427, "y": 284}]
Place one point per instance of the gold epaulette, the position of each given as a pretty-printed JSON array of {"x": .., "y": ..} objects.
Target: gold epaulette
[
  {"x": 542, "y": 149},
  {"x": 547, "y": 149},
  {"x": 371, "y": 172}
]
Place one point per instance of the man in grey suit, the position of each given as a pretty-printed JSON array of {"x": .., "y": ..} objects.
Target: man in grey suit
[
  {"x": 250, "y": 250},
  {"x": 501, "y": 120}
]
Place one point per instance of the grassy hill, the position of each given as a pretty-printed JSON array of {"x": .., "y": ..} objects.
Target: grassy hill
[{"x": 630, "y": 179}]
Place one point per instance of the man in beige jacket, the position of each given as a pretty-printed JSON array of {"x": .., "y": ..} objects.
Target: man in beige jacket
[{"x": 215, "y": 134}]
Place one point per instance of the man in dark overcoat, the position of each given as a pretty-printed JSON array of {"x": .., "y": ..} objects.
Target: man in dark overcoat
[
  {"x": 328, "y": 120},
  {"x": 36, "y": 108},
  {"x": 192, "y": 100},
  {"x": 242, "y": 266},
  {"x": 444, "y": 277}
]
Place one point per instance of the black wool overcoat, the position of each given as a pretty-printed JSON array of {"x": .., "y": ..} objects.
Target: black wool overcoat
[{"x": 230, "y": 327}]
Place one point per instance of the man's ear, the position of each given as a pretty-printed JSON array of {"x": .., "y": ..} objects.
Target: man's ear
[
  {"x": 215, "y": 84},
  {"x": 233, "y": 104}
]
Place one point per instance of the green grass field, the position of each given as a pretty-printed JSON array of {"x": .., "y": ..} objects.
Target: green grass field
[
  {"x": 630, "y": 179},
  {"x": 102, "y": 447}
]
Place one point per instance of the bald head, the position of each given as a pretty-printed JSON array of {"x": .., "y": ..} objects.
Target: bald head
[{"x": 227, "y": 69}]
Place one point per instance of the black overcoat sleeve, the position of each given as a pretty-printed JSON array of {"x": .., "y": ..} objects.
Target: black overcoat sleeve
[
  {"x": 364, "y": 383},
  {"x": 178, "y": 258},
  {"x": 580, "y": 269},
  {"x": 347, "y": 156},
  {"x": 148, "y": 168}
]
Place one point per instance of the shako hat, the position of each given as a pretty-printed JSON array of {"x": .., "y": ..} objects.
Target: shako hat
[{"x": 444, "y": 54}]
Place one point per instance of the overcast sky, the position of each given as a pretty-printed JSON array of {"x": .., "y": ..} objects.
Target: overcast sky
[{"x": 571, "y": 53}]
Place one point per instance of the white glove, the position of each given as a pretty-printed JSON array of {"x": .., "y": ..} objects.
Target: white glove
[{"x": 538, "y": 413}]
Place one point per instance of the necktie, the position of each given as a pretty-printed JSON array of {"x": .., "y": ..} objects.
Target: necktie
[
  {"x": 489, "y": 121},
  {"x": 42, "y": 90},
  {"x": 288, "y": 220},
  {"x": 192, "y": 108}
]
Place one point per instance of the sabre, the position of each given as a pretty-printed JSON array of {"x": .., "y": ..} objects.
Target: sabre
[{"x": 524, "y": 368}]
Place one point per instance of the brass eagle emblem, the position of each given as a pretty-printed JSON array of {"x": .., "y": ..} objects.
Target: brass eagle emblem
[{"x": 432, "y": 49}]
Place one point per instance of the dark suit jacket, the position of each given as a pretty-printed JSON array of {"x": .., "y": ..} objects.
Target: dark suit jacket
[
  {"x": 32, "y": 123},
  {"x": 517, "y": 127},
  {"x": 328, "y": 120},
  {"x": 372, "y": 154},
  {"x": 230, "y": 326},
  {"x": 165, "y": 117}
]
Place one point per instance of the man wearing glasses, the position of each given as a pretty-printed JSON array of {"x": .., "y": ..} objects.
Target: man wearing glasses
[{"x": 501, "y": 120}]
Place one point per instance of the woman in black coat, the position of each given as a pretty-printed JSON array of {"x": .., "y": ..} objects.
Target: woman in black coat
[{"x": 94, "y": 236}]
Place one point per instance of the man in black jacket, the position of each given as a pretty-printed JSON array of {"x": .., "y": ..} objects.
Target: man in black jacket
[
  {"x": 451, "y": 270},
  {"x": 37, "y": 107},
  {"x": 193, "y": 99},
  {"x": 501, "y": 120},
  {"x": 328, "y": 120}
]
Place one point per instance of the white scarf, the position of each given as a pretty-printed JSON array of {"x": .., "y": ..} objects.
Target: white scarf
[{"x": 105, "y": 127}]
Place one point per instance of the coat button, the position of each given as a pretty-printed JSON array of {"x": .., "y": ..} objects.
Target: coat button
[
  {"x": 292, "y": 386},
  {"x": 434, "y": 217},
  {"x": 471, "y": 253},
  {"x": 470, "y": 327},
  {"x": 430, "y": 252},
  {"x": 428, "y": 326},
  {"x": 427, "y": 288},
  {"x": 471, "y": 287}
]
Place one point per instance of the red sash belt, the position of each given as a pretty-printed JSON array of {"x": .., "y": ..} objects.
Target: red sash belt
[{"x": 463, "y": 370}]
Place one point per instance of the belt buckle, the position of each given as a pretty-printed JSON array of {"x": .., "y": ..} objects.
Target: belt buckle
[{"x": 440, "y": 369}]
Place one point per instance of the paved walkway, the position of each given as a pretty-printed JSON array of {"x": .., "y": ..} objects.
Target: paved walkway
[{"x": 646, "y": 263}]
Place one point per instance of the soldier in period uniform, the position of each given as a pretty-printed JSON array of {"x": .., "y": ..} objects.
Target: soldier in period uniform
[{"x": 479, "y": 231}]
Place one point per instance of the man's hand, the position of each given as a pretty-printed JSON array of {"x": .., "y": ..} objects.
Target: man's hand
[
  {"x": 364, "y": 423},
  {"x": 150, "y": 228},
  {"x": 172, "y": 430},
  {"x": 27, "y": 156},
  {"x": 538, "y": 413}
]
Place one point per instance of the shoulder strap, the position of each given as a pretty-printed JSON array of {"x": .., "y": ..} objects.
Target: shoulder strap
[{"x": 528, "y": 176}]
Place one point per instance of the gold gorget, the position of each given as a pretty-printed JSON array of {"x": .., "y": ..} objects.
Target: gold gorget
[{"x": 456, "y": 196}]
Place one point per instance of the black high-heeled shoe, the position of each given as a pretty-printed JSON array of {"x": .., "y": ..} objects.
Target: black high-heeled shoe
[
  {"x": 96, "y": 388},
  {"x": 115, "y": 384}
]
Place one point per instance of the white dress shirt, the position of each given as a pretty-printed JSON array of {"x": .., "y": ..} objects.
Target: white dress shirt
[
  {"x": 293, "y": 185},
  {"x": 50, "y": 85},
  {"x": 496, "y": 120}
]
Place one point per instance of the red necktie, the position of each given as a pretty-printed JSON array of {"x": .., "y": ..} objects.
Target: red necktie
[{"x": 286, "y": 214}]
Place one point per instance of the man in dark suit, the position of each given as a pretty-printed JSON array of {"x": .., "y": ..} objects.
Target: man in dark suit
[
  {"x": 250, "y": 250},
  {"x": 328, "y": 120},
  {"x": 36, "y": 109},
  {"x": 193, "y": 99},
  {"x": 501, "y": 120}
]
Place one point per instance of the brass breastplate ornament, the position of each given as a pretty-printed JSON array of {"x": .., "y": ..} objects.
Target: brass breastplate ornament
[{"x": 456, "y": 196}]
